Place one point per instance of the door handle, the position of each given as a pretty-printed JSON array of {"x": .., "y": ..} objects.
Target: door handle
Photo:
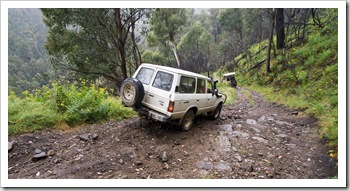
[{"x": 186, "y": 102}]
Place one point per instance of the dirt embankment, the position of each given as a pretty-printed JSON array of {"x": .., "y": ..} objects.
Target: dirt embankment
[{"x": 252, "y": 139}]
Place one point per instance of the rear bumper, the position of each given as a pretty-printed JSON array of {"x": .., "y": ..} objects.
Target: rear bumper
[{"x": 153, "y": 114}]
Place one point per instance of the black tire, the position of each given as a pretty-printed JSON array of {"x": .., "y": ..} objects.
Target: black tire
[
  {"x": 187, "y": 120},
  {"x": 234, "y": 82},
  {"x": 132, "y": 92},
  {"x": 216, "y": 113}
]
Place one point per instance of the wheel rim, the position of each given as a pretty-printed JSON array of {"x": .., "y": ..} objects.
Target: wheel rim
[
  {"x": 217, "y": 112},
  {"x": 129, "y": 92},
  {"x": 188, "y": 121}
]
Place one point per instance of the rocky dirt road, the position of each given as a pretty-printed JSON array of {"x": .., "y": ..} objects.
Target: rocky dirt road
[{"x": 252, "y": 139}]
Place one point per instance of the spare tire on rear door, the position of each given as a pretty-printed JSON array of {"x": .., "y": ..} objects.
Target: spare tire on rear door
[{"x": 132, "y": 92}]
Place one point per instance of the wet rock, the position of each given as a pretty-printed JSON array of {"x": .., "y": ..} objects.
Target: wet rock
[
  {"x": 262, "y": 119},
  {"x": 10, "y": 145},
  {"x": 224, "y": 143},
  {"x": 255, "y": 129},
  {"x": 237, "y": 117},
  {"x": 39, "y": 156},
  {"x": 282, "y": 136},
  {"x": 295, "y": 113},
  {"x": 79, "y": 157},
  {"x": 270, "y": 119},
  {"x": 205, "y": 165},
  {"x": 50, "y": 153},
  {"x": 227, "y": 127},
  {"x": 223, "y": 166},
  {"x": 234, "y": 149},
  {"x": 95, "y": 137},
  {"x": 139, "y": 162},
  {"x": 248, "y": 167},
  {"x": 166, "y": 166},
  {"x": 164, "y": 157},
  {"x": 84, "y": 137},
  {"x": 37, "y": 151},
  {"x": 294, "y": 140},
  {"x": 284, "y": 123},
  {"x": 238, "y": 157},
  {"x": 251, "y": 122},
  {"x": 240, "y": 134},
  {"x": 260, "y": 139}
]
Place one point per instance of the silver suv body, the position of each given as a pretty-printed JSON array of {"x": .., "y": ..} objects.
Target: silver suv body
[{"x": 171, "y": 95}]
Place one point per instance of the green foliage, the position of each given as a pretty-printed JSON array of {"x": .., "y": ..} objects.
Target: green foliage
[
  {"x": 27, "y": 65},
  {"x": 165, "y": 23},
  {"x": 303, "y": 77},
  {"x": 154, "y": 57},
  {"x": 195, "y": 48},
  {"x": 29, "y": 114},
  {"x": 71, "y": 104}
]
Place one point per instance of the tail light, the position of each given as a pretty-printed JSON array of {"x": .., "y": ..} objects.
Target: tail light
[{"x": 171, "y": 106}]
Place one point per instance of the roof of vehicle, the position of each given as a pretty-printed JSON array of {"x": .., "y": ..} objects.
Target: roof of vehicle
[
  {"x": 229, "y": 74},
  {"x": 175, "y": 70}
]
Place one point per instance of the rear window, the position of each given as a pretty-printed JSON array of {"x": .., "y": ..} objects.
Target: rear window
[
  {"x": 145, "y": 75},
  {"x": 187, "y": 85},
  {"x": 163, "y": 81}
]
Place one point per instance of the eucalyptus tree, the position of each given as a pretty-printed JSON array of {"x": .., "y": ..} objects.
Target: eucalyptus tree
[
  {"x": 92, "y": 41},
  {"x": 165, "y": 24},
  {"x": 195, "y": 47},
  {"x": 231, "y": 20},
  {"x": 280, "y": 28}
]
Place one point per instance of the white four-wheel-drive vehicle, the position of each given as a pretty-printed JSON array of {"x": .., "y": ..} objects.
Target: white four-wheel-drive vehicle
[{"x": 171, "y": 95}]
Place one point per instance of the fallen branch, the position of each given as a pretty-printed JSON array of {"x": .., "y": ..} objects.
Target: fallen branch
[{"x": 257, "y": 65}]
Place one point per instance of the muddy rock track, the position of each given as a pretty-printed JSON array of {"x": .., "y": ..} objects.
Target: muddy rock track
[{"x": 252, "y": 139}]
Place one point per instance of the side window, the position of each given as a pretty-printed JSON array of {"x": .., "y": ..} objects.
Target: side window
[
  {"x": 209, "y": 87},
  {"x": 163, "y": 81},
  {"x": 200, "y": 86},
  {"x": 145, "y": 75},
  {"x": 187, "y": 85}
]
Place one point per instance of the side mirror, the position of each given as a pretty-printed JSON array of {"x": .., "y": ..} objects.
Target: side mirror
[{"x": 215, "y": 82}]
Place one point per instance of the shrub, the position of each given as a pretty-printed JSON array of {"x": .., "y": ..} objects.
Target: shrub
[{"x": 70, "y": 104}]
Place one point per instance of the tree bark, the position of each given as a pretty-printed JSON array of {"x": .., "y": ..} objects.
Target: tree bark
[
  {"x": 121, "y": 42},
  {"x": 268, "y": 69},
  {"x": 135, "y": 48},
  {"x": 280, "y": 28},
  {"x": 177, "y": 56}
]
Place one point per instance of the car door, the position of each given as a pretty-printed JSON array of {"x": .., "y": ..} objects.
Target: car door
[
  {"x": 201, "y": 97},
  {"x": 211, "y": 99},
  {"x": 186, "y": 96}
]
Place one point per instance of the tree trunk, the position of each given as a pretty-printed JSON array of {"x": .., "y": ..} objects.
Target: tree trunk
[
  {"x": 268, "y": 69},
  {"x": 121, "y": 43},
  {"x": 280, "y": 28},
  {"x": 177, "y": 56},
  {"x": 136, "y": 53}
]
